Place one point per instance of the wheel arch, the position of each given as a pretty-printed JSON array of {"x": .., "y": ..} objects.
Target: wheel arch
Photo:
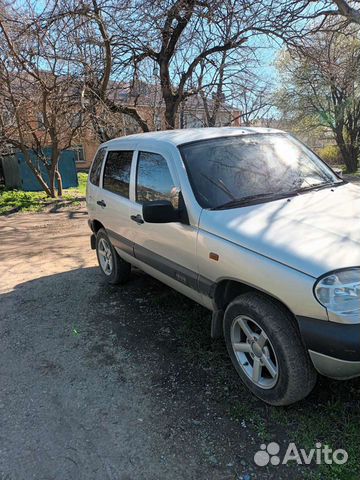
[
  {"x": 226, "y": 290},
  {"x": 95, "y": 225}
]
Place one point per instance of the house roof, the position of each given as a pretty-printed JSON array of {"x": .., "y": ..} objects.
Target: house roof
[{"x": 186, "y": 135}]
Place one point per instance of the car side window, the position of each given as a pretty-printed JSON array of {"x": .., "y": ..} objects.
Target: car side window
[
  {"x": 153, "y": 179},
  {"x": 117, "y": 172},
  {"x": 96, "y": 167}
]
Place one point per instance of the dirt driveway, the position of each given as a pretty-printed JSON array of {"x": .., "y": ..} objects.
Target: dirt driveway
[{"x": 102, "y": 382}]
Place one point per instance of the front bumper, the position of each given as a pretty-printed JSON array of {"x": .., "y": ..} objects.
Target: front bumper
[
  {"x": 334, "y": 348},
  {"x": 334, "y": 367}
]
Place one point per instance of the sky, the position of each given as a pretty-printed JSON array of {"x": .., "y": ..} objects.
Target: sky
[
  {"x": 267, "y": 54},
  {"x": 267, "y": 49}
]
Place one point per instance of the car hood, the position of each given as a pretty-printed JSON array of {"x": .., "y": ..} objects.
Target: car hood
[{"x": 314, "y": 232}]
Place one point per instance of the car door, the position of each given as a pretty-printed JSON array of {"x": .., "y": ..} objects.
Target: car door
[
  {"x": 168, "y": 248},
  {"x": 113, "y": 199}
]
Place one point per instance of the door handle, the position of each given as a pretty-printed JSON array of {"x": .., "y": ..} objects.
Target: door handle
[
  {"x": 137, "y": 218},
  {"x": 101, "y": 203}
]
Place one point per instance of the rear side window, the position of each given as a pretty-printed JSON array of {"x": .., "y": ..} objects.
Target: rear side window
[
  {"x": 153, "y": 179},
  {"x": 117, "y": 172},
  {"x": 96, "y": 166}
]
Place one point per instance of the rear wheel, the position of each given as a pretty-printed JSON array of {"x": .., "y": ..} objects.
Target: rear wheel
[
  {"x": 112, "y": 266},
  {"x": 266, "y": 350}
]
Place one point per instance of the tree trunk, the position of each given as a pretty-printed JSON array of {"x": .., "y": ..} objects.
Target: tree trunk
[
  {"x": 54, "y": 173},
  {"x": 212, "y": 121},
  {"x": 349, "y": 151},
  {"x": 352, "y": 160},
  {"x": 171, "y": 99},
  {"x": 59, "y": 181},
  {"x": 52, "y": 183},
  {"x": 35, "y": 171},
  {"x": 42, "y": 182},
  {"x": 170, "y": 114},
  {"x": 350, "y": 155}
]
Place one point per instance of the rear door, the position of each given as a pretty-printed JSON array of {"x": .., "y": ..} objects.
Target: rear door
[
  {"x": 113, "y": 199},
  {"x": 93, "y": 185}
]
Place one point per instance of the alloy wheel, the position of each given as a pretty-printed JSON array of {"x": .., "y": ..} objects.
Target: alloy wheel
[
  {"x": 254, "y": 352},
  {"x": 105, "y": 256}
]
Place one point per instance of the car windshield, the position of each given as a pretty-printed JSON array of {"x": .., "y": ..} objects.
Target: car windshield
[{"x": 230, "y": 171}]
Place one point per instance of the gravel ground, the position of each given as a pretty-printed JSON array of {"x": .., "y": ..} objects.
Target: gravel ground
[
  {"x": 88, "y": 388},
  {"x": 102, "y": 382}
]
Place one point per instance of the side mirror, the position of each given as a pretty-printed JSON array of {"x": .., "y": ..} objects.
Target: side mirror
[{"x": 160, "y": 211}]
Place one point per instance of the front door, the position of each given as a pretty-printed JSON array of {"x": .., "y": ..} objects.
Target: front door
[{"x": 168, "y": 248}]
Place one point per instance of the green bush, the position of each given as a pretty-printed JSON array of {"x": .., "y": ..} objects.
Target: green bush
[{"x": 331, "y": 155}]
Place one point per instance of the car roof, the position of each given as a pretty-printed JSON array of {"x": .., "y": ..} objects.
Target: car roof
[{"x": 187, "y": 135}]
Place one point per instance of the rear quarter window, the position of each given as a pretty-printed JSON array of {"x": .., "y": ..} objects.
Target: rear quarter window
[{"x": 96, "y": 167}]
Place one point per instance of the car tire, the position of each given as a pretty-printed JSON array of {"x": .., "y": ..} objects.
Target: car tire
[
  {"x": 112, "y": 266},
  {"x": 265, "y": 347}
]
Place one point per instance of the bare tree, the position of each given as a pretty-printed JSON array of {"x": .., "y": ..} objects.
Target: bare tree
[
  {"x": 254, "y": 102},
  {"x": 40, "y": 105},
  {"x": 320, "y": 87},
  {"x": 103, "y": 53},
  {"x": 179, "y": 38},
  {"x": 194, "y": 33},
  {"x": 235, "y": 92},
  {"x": 214, "y": 97},
  {"x": 96, "y": 31}
]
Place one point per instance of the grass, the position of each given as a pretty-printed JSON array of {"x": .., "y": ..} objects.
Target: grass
[
  {"x": 245, "y": 412},
  {"x": 81, "y": 189},
  {"x": 334, "y": 421},
  {"x": 12, "y": 200},
  {"x": 331, "y": 416}
]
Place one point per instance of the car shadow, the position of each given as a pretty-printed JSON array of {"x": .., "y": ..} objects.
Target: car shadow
[{"x": 146, "y": 334}]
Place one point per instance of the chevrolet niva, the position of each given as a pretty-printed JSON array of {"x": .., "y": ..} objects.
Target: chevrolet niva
[{"x": 251, "y": 224}]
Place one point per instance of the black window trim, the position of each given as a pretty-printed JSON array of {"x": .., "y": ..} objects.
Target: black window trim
[{"x": 103, "y": 169}]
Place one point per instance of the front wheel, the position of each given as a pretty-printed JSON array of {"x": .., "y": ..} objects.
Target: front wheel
[
  {"x": 115, "y": 269},
  {"x": 266, "y": 350}
]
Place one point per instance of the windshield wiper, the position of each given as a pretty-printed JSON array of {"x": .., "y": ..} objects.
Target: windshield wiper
[
  {"x": 253, "y": 199},
  {"x": 315, "y": 186},
  {"x": 221, "y": 185},
  {"x": 263, "y": 197}
]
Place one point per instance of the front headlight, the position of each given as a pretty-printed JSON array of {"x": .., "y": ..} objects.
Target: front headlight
[{"x": 339, "y": 291}]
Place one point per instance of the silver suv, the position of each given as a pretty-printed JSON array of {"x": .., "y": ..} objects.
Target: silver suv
[{"x": 250, "y": 224}]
